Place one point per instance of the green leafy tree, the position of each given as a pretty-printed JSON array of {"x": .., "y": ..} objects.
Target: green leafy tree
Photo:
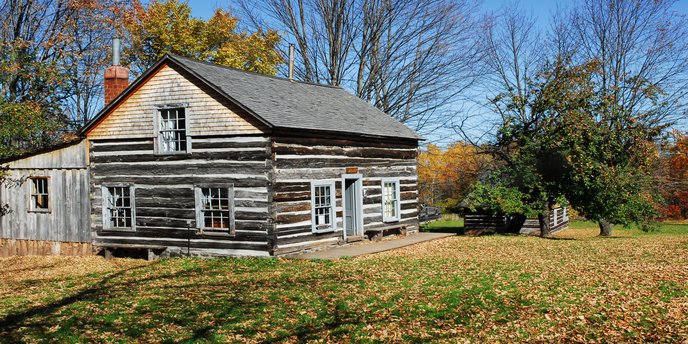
[
  {"x": 640, "y": 87},
  {"x": 163, "y": 27},
  {"x": 610, "y": 158},
  {"x": 528, "y": 146}
]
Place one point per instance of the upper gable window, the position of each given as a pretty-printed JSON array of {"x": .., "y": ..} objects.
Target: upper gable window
[
  {"x": 172, "y": 134},
  {"x": 39, "y": 195}
]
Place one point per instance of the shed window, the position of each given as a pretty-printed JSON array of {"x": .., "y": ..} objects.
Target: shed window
[
  {"x": 118, "y": 210},
  {"x": 323, "y": 206},
  {"x": 172, "y": 135},
  {"x": 214, "y": 210},
  {"x": 40, "y": 197},
  {"x": 390, "y": 200}
]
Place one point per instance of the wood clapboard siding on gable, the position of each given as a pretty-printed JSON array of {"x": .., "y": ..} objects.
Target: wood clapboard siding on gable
[
  {"x": 68, "y": 187},
  {"x": 207, "y": 116},
  {"x": 165, "y": 198},
  {"x": 298, "y": 161}
]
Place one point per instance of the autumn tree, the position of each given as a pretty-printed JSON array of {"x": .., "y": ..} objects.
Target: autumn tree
[
  {"x": 672, "y": 177},
  {"x": 446, "y": 176},
  {"x": 163, "y": 27},
  {"x": 33, "y": 39},
  {"x": 411, "y": 59}
]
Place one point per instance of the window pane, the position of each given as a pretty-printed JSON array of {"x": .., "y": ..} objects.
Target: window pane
[
  {"x": 39, "y": 193},
  {"x": 215, "y": 207},
  {"x": 390, "y": 200},
  {"x": 323, "y": 206},
  {"x": 118, "y": 203},
  {"x": 172, "y": 130}
]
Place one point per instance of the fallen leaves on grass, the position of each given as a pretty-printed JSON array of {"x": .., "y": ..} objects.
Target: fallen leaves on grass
[{"x": 460, "y": 289}]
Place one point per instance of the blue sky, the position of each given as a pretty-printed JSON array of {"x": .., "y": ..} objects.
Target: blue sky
[{"x": 540, "y": 8}]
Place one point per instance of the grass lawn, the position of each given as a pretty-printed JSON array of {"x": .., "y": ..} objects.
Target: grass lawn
[{"x": 630, "y": 288}]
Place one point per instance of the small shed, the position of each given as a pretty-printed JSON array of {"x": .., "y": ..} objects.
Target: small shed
[{"x": 49, "y": 206}]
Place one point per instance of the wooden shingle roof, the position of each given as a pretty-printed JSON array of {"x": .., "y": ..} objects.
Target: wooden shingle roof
[{"x": 285, "y": 104}]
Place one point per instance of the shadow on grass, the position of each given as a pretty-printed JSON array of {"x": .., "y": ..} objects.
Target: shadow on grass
[
  {"x": 131, "y": 303},
  {"x": 14, "y": 321},
  {"x": 453, "y": 230}
]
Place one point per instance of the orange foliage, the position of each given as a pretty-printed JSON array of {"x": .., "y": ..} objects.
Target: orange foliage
[
  {"x": 445, "y": 176},
  {"x": 673, "y": 177}
]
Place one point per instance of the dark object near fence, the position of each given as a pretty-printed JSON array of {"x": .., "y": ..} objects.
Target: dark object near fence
[
  {"x": 429, "y": 213},
  {"x": 483, "y": 222}
]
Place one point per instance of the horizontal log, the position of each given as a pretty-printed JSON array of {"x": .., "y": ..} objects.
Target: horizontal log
[
  {"x": 228, "y": 155},
  {"x": 124, "y": 147},
  {"x": 217, "y": 244},
  {"x": 359, "y": 152},
  {"x": 291, "y": 196},
  {"x": 164, "y": 192},
  {"x": 247, "y": 215},
  {"x": 205, "y": 168},
  {"x": 292, "y": 207},
  {"x": 308, "y": 172},
  {"x": 406, "y": 206},
  {"x": 147, "y": 221},
  {"x": 306, "y": 141},
  {"x": 187, "y": 202},
  {"x": 309, "y": 238},
  {"x": 233, "y": 145},
  {"x": 340, "y": 163},
  {"x": 251, "y": 204},
  {"x": 184, "y": 213},
  {"x": 172, "y": 180},
  {"x": 281, "y": 186},
  {"x": 240, "y": 225},
  {"x": 289, "y": 218},
  {"x": 294, "y": 230},
  {"x": 182, "y": 234}
]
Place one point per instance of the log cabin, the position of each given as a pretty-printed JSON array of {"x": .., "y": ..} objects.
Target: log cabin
[{"x": 201, "y": 159}]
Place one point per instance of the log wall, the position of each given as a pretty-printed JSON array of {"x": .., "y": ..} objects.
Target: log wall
[
  {"x": 298, "y": 161},
  {"x": 165, "y": 198}
]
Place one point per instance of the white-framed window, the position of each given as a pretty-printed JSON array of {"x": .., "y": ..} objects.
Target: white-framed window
[
  {"x": 172, "y": 131},
  {"x": 323, "y": 211},
  {"x": 119, "y": 211},
  {"x": 215, "y": 208},
  {"x": 39, "y": 194},
  {"x": 391, "y": 205}
]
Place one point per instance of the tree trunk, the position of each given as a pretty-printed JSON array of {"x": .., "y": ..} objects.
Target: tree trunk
[
  {"x": 544, "y": 222},
  {"x": 605, "y": 228}
]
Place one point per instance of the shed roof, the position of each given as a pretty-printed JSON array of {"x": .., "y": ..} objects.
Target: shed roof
[{"x": 282, "y": 103}]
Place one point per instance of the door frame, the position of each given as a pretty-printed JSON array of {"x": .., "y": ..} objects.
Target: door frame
[{"x": 359, "y": 205}]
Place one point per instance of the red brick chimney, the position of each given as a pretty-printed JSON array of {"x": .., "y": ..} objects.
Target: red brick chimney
[{"x": 116, "y": 76}]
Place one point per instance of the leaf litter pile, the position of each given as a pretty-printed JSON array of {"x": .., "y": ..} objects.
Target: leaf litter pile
[{"x": 630, "y": 288}]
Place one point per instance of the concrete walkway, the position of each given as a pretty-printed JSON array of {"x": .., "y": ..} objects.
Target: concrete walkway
[{"x": 363, "y": 248}]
